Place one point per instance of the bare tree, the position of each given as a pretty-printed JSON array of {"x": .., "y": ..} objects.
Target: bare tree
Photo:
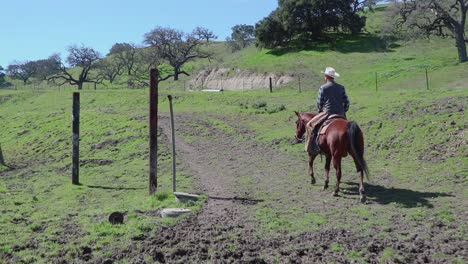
[
  {"x": 126, "y": 53},
  {"x": 110, "y": 68},
  {"x": 175, "y": 47},
  {"x": 21, "y": 71},
  {"x": 204, "y": 33},
  {"x": 82, "y": 58},
  {"x": 148, "y": 58},
  {"x": 446, "y": 18}
]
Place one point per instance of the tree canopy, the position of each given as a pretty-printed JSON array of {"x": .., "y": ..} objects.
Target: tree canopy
[
  {"x": 125, "y": 54},
  {"x": 46, "y": 67},
  {"x": 21, "y": 70},
  {"x": 242, "y": 35},
  {"x": 300, "y": 22},
  {"x": 2, "y": 76}
]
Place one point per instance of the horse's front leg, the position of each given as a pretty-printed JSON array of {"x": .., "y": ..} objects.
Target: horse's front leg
[
  {"x": 337, "y": 165},
  {"x": 311, "y": 167},
  {"x": 327, "y": 172}
]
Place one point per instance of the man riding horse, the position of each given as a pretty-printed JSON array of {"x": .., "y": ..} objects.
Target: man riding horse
[{"x": 331, "y": 100}]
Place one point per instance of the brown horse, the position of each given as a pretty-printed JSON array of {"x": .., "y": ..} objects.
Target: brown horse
[{"x": 341, "y": 137}]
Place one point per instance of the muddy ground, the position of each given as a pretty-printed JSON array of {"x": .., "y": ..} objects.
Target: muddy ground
[{"x": 225, "y": 230}]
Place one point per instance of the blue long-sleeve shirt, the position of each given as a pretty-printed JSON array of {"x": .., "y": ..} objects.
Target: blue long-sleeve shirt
[{"x": 332, "y": 99}]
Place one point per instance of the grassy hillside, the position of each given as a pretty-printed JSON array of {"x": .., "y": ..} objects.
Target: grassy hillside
[{"x": 401, "y": 65}]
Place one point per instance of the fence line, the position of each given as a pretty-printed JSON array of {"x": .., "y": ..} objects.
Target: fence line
[{"x": 381, "y": 80}]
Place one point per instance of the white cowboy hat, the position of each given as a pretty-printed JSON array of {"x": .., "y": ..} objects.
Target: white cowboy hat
[{"x": 329, "y": 71}]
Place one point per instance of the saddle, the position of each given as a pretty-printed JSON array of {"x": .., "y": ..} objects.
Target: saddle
[
  {"x": 323, "y": 124},
  {"x": 332, "y": 118}
]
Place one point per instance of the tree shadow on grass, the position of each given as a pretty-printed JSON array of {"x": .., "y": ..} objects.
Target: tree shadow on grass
[
  {"x": 404, "y": 197},
  {"x": 113, "y": 188},
  {"x": 364, "y": 43}
]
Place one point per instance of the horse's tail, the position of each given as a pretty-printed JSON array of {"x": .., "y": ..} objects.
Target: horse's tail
[{"x": 356, "y": 143}]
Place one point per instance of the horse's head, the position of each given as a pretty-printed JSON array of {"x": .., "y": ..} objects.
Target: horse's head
[
  {"x": 300, "y": 127},
  {"x": 301, "y": 122}
]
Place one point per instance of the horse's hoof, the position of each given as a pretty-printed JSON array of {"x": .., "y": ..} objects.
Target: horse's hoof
[
  {"x": 325, "y": 187},
  {"x": 363, "y": 199},
  {"x": 335, "y": 194},
  {"x": 312, "y": 181}
]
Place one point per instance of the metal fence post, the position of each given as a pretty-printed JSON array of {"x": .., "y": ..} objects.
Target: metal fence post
[{"x": 173, "y": 145}]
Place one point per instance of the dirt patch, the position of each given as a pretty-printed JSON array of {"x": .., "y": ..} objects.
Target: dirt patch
[
  {"x": 440, "y": 152},
  {"x": 445, "y": 106}
]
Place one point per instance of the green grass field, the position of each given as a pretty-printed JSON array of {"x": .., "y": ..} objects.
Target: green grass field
[
  {"x": 39, "y": 204},
  {"x": 414, "y": 138}
]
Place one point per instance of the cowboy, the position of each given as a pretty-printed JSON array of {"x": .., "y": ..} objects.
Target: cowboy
[{"x": 331, "y": 99}]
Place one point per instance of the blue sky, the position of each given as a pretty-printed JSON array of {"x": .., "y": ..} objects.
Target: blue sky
[{"x": 34, "y": 29}]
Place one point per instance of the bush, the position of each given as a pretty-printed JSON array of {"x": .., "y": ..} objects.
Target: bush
[{"x": 259, "y": 105}]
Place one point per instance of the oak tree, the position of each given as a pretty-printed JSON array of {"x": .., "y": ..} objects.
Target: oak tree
[
  {"x": 84, "y": 60},
  {"x": 21, "y": 70},
  {"x": 175, "y": 47},
  {"x": 126, "y": 54},
  {"x": 446, "y": 18}
]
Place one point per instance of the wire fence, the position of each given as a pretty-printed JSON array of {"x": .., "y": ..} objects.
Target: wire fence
[{"x": 419, "y": 78}]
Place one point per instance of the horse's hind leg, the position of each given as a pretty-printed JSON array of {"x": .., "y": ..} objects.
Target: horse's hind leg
[
  {"x": 337, "y": 165},
  {"x": 327, "y": 172},
  {"x": 311, "y": 167},
  {"x": 362, "y": 193}
]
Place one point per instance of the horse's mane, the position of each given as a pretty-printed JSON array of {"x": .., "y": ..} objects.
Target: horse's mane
[{"x": 305, "y": 116}]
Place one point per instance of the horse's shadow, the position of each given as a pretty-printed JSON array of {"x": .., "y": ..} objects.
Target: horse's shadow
[{"x": 404, "y": 197}]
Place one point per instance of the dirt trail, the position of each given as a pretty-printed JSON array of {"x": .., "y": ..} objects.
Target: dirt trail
[
  {"x": 217, "y": 160},
  {"x": 224, "y": 230}
]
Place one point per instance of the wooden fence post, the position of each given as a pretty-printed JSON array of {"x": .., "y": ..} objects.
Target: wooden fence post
[
  {"x": 300, "y": 83},
  {"x": 376, "y": 84},
  {"x": 427, "y": 80},
  {"x": 153, "y": 130},
  {"x": 76, "y": 139},
  {"x": 271, "y": 86},
  {"x": 173, "y": 145}
]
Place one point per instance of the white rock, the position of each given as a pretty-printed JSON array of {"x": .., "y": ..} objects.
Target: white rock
[{"x": 174, "y": 212}]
